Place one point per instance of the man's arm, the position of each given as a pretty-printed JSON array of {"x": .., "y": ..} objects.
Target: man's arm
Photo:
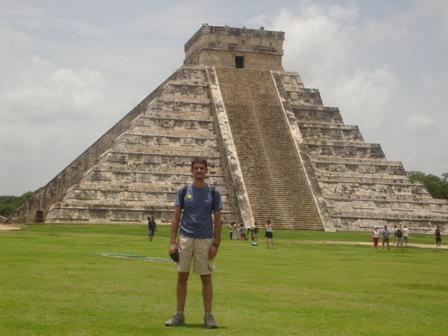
[
  {"x": 174, "y": 228},
  {"x": 218, "y": 227},
  {"x": 213, "y": 250}
]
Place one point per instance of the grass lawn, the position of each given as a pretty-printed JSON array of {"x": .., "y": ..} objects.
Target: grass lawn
[{"x": 54, "y": 280}]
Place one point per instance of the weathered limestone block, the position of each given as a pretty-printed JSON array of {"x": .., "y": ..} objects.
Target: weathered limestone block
[{"x": 317, "y": 114}]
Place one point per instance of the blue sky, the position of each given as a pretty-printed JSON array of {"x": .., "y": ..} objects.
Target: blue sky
[{"x": 72, "y": 69}]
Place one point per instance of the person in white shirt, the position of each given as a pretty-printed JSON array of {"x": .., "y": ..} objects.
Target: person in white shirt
[
  {"x": 405, "y": 235},
  {"x": 376, "y": 237}
]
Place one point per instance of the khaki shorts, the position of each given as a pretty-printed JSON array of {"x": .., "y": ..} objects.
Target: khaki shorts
[{"x": 195, "y": 250}]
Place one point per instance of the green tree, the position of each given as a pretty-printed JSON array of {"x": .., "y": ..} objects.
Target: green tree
[
  {"x": 9, "y": 204},
  {"x": 437, "y": 187}
]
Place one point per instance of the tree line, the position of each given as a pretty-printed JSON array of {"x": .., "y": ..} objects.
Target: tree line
[
  {"x": 437, "y": 187},
  {"x": 9, "y": 204}
]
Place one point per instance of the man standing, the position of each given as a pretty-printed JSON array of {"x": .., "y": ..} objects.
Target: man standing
[
  {"x": 152, "y": 227},
  {"x": 198, "y": 239},
  {"x": 395, "y": 235},
  {"x": 385, "y": 233},
  {"x": 399, "y": 238},
  {"x": 405, "y": 235},
  {"x": 438, "y": 236}
]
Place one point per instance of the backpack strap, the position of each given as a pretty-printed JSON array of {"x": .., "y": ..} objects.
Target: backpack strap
[
  {"x": 184, "y": 192},
  {"x": 182, "y": 197},
  {"x": 213, "y": 191}
]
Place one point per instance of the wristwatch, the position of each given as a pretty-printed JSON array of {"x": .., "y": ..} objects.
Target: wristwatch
[{"x": 217, "y": 245}]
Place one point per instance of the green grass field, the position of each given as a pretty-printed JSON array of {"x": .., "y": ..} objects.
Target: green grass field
[{"x": 54, "y": 281}]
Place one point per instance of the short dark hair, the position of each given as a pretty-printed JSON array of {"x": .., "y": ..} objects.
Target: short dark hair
[{"x": 198, "y": 160}]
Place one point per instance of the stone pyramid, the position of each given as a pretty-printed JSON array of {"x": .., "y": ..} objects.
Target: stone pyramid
[{"x": 275, "y": 151}]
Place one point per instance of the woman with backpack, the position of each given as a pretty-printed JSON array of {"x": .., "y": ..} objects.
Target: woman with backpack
[{"x": 399, "y": 237}]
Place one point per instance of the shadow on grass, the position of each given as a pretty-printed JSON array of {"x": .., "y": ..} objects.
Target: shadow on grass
[{"x": 195, "y": 326}]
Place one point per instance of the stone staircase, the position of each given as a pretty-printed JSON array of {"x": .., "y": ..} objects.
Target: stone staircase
[{"x": 273, "y": 174}]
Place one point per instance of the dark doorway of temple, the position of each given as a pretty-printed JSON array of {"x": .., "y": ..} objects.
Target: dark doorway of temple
[
  {"x": 39, "y": 216},
  {"x": 239, "y": 62}
]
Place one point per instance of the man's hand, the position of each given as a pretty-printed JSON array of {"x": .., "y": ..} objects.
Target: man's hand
[
  {"x": 173, "y": 247},
  {"x": 212, "y": 252}
]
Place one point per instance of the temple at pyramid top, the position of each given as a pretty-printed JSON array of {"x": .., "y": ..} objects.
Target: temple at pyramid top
[{"x": 235, "y": 47}]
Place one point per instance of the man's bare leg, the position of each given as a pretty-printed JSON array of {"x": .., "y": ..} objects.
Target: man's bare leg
[
  {"x": 207, "y": 292},
  {"x": 181, "y": 291}
]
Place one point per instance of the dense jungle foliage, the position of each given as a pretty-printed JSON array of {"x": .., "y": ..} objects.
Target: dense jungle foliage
[
  {"x": 9, "y": 204},
  {"x": 437, "y": 187}
]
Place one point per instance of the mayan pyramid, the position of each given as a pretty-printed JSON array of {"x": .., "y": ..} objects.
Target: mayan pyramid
[{"x": 275, "y": 151}]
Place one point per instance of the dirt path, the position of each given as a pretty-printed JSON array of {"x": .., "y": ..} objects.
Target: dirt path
[
  {"x": 392, "y": 247},
  {"x": 4, "y": 227}
]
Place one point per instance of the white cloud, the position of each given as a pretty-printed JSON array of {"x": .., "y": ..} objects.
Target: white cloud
[
  {"x": 419, "y": 125},
  {"x": 368, "y": 93},
  {"x": 46, "y": 94},
  {"x": 24, "y": 16},
  {"x": 79, "y": 27},
  {"x": 315, "y": 42},
  {"x": 435, "y": 14}
]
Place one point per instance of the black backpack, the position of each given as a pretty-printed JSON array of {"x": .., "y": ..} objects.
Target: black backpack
[
  {"x": 184, "y": 192},
  {"x": 399, "y": 233}
]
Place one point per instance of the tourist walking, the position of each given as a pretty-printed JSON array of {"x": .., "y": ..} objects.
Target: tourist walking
[
  {"x": 242, "y": 231},
  {"x": 255, "y": 232},
  {"x": 438, "y": 236},
  {"x": 234, "y": 231},
  {"x": 152, "y": 227},
  {"x": 395, "y": 234},
  {"x": 385, "y": 233},
  {"x": 405, "y": 235},
  {"x": 198, "y": 239},
  {"x": 399, "y": 238}
]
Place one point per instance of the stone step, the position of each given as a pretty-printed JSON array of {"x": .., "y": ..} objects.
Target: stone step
[
  {"x": 345, "y": 178},
  {"x": 304, "y": 97},
  {"x": 343, "y": 149},
  {"x": 328, "y": 132},
  {"x": 372, "y": 189},
  {"x": 112, "y": 213},
  {"x": 317, "y": 114},
  {"x": 357, "y": 167}
]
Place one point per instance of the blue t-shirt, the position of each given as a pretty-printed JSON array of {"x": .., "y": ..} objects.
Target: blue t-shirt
[
  {"x": 196, "y": 220},
  {"x": 385, "y": 233}
]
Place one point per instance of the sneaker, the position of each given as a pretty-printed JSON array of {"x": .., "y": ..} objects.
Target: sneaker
[
  {"x": 209, "y": 321},
  {"x": 177, "y": 320}
]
